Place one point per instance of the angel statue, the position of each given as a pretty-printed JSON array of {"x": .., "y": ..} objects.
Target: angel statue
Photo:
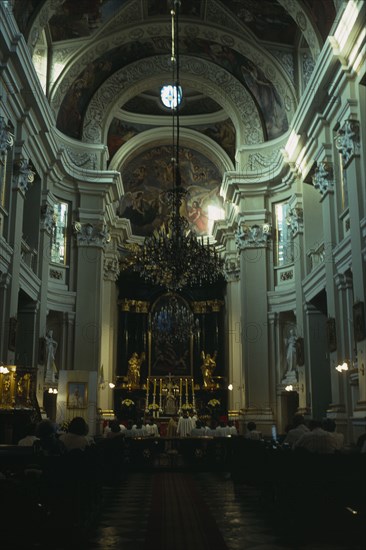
[
  {"x": 207, "y": 368},
  {"x": 134, "y": 366}
]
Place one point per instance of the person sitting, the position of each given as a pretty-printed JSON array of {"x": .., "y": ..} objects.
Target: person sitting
[
  {"x": 151, "y": 428},
  {"x": 139, "y": 430},
  {"x": 47, "y": 443},
  {"x": 76, "y": 435},
  {"x": 298, "y": 429},
  {"x": 252, "y": 432},
  {"x": 316, "y": 440},
  {"x": 329, "y": 425},
  {"x": 199, "y": 430},
  {"x": 115, "y": 430},
  {"x": 222, "y": 429},
  {"x": 232, "y": 428},
  {"x": 29, "y": 436},
  {"x": 129, "y": 428}
]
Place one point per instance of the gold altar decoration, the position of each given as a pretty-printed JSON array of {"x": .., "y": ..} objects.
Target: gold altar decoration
[
  {"x": 134, "y": 306},
  {"x": 15, "y": 387},
  {"x": 207, "y": 369},
  {"x": 134, "y": 368},
  {"x": 169, "y": 394}
]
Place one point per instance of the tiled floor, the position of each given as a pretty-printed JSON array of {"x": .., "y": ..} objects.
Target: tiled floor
[{"x": 245, "y": 516}]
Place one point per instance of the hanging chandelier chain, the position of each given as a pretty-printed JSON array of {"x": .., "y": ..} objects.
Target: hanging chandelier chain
[{"x": 173, "y": 256}]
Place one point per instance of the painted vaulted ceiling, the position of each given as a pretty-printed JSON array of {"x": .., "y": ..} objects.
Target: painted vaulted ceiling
[{"x": 243, "y": 67}]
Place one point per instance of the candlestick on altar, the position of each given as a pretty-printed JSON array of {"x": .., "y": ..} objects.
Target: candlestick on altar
[
  {"x": 154, "y": 387},
  {"x": 180, "y": 386},
  {"x": 186, "y": 390},
  {"x": 161, "y": 386},
  {"x": 147, "y": 396}
]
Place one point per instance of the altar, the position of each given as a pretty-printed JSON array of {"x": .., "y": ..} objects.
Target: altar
[{"x": 166, "y": 396}]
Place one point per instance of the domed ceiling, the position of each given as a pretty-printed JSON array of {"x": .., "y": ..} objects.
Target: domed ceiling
[{"x": 243, "y": 67}]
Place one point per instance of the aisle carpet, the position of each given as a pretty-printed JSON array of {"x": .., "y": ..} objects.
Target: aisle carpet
[{"x": 179, "y": 516}]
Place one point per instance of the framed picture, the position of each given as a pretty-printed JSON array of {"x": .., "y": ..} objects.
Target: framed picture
[
  {"x": 359, "y": 321},
  {"x": 331, "y": 334},
  {"x": 77, "y": 395}
]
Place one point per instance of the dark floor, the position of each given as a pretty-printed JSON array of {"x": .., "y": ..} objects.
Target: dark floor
[{"x": 245, "y": 516}]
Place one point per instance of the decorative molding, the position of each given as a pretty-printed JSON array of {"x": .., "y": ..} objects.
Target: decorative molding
[
  {"x": 295, "y": 220},
  {"x": 47, "y": 217},
  {"x": 128, "y": 80},
  {"x": 23, "y": 175},
  {"x": 255, "y": 236},
  {"x": 323, "y": 178},
  {"x": 82, "y": 159},
  {"x": 232, "y": 268},
  {"x": 88, "y": 234},
  {"x": 6, "y": 137},
  {"x": 111, "y": 269},
  {"x": 348, "y": 140}
]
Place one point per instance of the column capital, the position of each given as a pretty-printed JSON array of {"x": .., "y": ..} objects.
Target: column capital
[
  {"x": 254, "y": 236},
  {"x": 323, "y": 178},
  {"x": 88, "y": 234},
  {"x": 6, "y": 137},
  {"x": 23, "y": 175},
  {"x": 111, "y": 268},
  {"x": 348, "y": 140},
  {"x": 232, "y": 267}
]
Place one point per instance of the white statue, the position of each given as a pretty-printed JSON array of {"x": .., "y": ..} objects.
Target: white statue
[
  {"x": 290, "y": 342},
  {"x": 51, "y": 347}
]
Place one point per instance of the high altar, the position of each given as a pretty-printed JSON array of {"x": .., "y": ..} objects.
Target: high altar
[{"x": 164, "y": 368}]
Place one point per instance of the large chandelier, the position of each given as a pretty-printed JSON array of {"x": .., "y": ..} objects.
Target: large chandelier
[
  {"x": 173, "y": 321},
  {"x": 174, "y": 256}
]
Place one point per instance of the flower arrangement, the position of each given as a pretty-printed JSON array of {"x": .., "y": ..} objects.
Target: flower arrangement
[
  {"x": 213, "y": 403},
  {"x": 187, "y": 406},
  {"x": 128, "y": 403},
  {"x": 153, "y": 407}
]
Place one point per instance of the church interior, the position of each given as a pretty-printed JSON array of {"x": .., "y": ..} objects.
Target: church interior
[{"x": 183, "y": 243}]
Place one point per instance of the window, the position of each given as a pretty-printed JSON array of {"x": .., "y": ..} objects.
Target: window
[
  {"x": 284, "y": 253},
  {"x": 59, "y": 233},
  {"x": 171, "y": 96}
]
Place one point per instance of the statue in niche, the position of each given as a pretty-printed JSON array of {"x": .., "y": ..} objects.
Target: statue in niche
[
  {"x": 290, "y": 343},
  {"x": 51, "y": 347},
  {"x": 134, "y": 367},
  {"x": 207, "y": 368}
]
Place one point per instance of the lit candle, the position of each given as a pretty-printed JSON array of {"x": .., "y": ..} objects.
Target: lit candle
[
  {"x": 187, "y": 388},
  {"x": 180, "y": 386},
  {"x": 192, "y": 386},
  {"x": 147, "y": 386},
  {"x": 154, "y": 386},
  {"x": 161, "y": 386}
]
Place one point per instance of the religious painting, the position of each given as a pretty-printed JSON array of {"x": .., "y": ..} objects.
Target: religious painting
[
  {"x": 82, "y": 18},
  {"x": 359, "y": 321},
  {"x": 171, "y": 341},
  {"x": 119, "y": 133},
  {"x": 149, "y": 174},
  {"x": 331, "y": 334},
  {"x": 77, "y": 395}
]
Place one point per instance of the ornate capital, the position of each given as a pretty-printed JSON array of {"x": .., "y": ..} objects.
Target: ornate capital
[
  {"x": 348, "y": 140},
  {"x": 295, "y": 219},
  {"x": 6, "y": 137},
  {"x": 323, "y": 178},
  {"x": 23, "y": 175},
  {"x": 111, "y": 269},
  {"x": 255, "y": 236},
  {"x": 88, "y": 234},
  {"x": 232, "y": 268},
  {"x": 47, "y": 217}
]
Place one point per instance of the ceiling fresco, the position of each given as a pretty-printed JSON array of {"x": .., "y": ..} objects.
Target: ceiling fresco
[
  {"x": 258, "y": 46},
  {"x": 271, "y": 105},
  {"x": 149, "y": 174},
  {"x": 223, "y": 133}
]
